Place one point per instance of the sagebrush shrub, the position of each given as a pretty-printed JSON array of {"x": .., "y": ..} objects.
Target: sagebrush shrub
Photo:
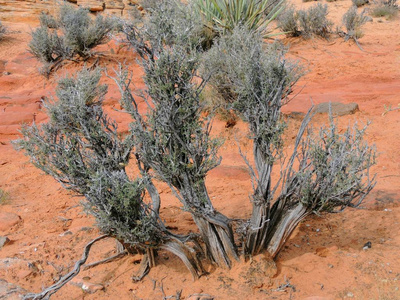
[
  {"x": 353, "y": 22},
  {"x": 288, "y": 21},
  {"x": 313, "y": 21},
  {"x": 72, "y": 32},
  {"x": 384, "y": 9},
  {"x": 172, "y": 142},
  {"x": 81, "y": 148},
  {"x": 305, "y": 23}
]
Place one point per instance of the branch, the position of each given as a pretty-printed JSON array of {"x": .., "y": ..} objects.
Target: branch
[{"x": 66, "y": 278}]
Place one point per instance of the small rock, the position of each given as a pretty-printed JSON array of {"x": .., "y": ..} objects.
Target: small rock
[
  {"x": 91, "y": 288},
  {"x": 367, "y": 246},
  {"x": 350, "y": 295},
  {"x": 4, "y": 241},
  {"x": 8, "y": 220},
  {"x": 338, "y": 109},
  {"x": 6, "y": 73},
  {"x": 65, "y": 233}
]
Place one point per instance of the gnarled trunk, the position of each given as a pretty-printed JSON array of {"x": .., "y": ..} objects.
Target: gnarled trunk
[{"x": 218, "y": 237}]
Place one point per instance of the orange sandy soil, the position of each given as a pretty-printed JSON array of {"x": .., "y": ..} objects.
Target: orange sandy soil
[{"x": 324, "y": 258}]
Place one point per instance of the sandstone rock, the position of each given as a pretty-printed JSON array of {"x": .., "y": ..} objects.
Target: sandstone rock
[
  {"x": 8, "y": 220},
  {"x": 10, "y": 291},
  {"x": 114, "y": 4},
  {"x": 338, "y": 109},
  {"x": 92, "y": 5},
  {"x": 4, "y": 241}
]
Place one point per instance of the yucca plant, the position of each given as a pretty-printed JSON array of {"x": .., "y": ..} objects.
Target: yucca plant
[{"x": 221, "y": 16}]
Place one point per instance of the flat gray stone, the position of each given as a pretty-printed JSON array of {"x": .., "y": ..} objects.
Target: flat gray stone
[{"x": 338, "y": 109}]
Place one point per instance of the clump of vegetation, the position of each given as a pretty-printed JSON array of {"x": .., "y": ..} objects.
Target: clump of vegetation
[
  {"x": 222, "y": 16},
  {"x": 353, "y": 22},
  {"x": 81, "y": 147},
  {"x": 360, "y": 3},
  {"x": 3, "y": 30},
  {"x": 69, "y": 35},
  {"x": 306, "y": 23},
  {"x": 387, "y": 9},
  {"x": 313, "y": 21},
  {"x": 288, "y": 22}
]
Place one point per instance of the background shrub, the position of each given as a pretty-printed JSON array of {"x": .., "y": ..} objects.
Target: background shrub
[
  {"x": 353, "y": 22},
  {"x": 360, "y": 3},
  {"x": 288, "y": 21},
  {"x": 385, "y": 9},
  {"x": 305, "y": 23},
  {"x": 72, "y": 32},
  {"x": 313, "y": 21}
]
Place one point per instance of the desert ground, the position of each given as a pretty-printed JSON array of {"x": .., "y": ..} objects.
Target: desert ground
[{"x": 325, "y": 258}]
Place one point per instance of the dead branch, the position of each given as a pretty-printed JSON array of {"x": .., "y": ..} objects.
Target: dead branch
[
  {"x": 66, "y": 278},
  {"x": 107, "y": 260}
]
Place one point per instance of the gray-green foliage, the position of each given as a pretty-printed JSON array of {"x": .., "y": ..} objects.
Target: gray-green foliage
[
  {"x": 325, "y": 172},
  {"x": 72, "y": 32},
  {"x": 360, "y": 3},
  {"x": 306, "y": 23},
  {"x": 288, "y": 21},
  {"x": 353, "y": 22},
  {"x": 387, "y": 9},
  {"x": 313, "y": 21},
  {"x": 81, "y": 148}
]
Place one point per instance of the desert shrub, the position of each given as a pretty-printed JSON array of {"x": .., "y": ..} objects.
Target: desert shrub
[
  {"x": 288, "y": 21},
  {"x": 70, "y": 33},
  {"x": 305, "y": 23},
  {"x": 221, "y": 16},
  {"x": 353, "y": 22},
  {"x": 3, "y": 30},
  {"x": 81, "y": 147},
  {"x": 313, "y": 21},
  {"x": 384, "y": 9},
  {"x": 360, "y": 3},
  {"x": 327, "y": 165}
]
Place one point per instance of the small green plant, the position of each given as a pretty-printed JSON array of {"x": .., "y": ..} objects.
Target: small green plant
[
  {"x": 313, "y": 21},
  {"x": 4, "y": 196},
  {"x": 3, "y": 30},
  {"x": 353, "y": 22},
  {"x": 385, "y": 9},
  {"x": 71, "y": 33},
  {"x": 360, "y": 3}
]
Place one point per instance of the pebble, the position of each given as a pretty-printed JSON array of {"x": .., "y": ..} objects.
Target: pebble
[{"x": 4, "y": 241}]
